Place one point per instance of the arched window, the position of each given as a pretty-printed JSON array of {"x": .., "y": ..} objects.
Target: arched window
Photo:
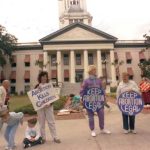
[{"x": 74, "y": 2}]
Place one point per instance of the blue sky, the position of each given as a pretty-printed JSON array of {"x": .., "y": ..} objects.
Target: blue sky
[{"x": 30, "y": 20}]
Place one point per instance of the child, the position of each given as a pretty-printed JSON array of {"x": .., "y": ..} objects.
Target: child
[
  {"x": 12, "y": 120},
  {"x": 32, "y": 136}
]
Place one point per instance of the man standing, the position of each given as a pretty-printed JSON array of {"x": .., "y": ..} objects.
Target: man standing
[{"x": 4, "y": 93}]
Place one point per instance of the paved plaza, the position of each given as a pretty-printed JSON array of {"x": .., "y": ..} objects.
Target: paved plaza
[{"x": 75, "y": 134}]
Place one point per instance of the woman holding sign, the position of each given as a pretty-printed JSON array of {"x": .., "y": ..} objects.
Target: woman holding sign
[
  {"x": 93, "y": 99},
  {"x": 46, "y": 113},
  {"x": 127, "y": 85}
]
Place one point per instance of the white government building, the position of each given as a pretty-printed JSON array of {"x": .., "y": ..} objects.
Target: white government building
[{"x": 67, "y": 52}]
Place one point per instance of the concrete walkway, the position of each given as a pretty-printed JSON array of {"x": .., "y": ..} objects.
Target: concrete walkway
[{"x": 75, "y": 135}]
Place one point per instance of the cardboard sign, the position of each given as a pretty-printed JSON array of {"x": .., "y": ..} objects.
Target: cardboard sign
[
  {"x": 93, "y": 99},
  {"x": 42, "y": 96},
  {"x": 130, "y": 103}
]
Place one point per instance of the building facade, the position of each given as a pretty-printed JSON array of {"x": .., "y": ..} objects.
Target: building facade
[{"x": 66, "y": 53}]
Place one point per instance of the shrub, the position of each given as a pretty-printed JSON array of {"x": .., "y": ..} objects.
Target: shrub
[
  {"x": 113, "y": 89},
  {"x": 28, "y": 109},
  {"x": 59, "y": 104}
]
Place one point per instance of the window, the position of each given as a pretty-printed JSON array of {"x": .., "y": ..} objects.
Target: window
[
  {"x": 142, "y": 60},
  {"x": 12, "y": 89},
  {"x": 27, "y": 64},
  {"x": 90, "y": 59},
  {"x": 75, "y": 20},
  {"x": 26, "y": 88},
  {"x": 53, "y": 60},
  {"x": 66, "y": 59},
  {"x": 27, "y": 60},
  {"x": 78, "y": 59},
  {"x": 70, "y": 21},
  {"x": 13, "y": 80},
  {"x": 13, "y": 64},
  {"x": 128, "y": 61},
  {"x": 117, "y": 77},
  {"x": 81, "y": 20},
  {"x": 142, "y": 56},
  {"x": 66, "y": 75},
  {"x": 13, "y": 77},
  {"x": 116, "y": 57},
  {"x": 27, "y": 76},
  {"x": 130, "y": 72},
  {"x": 128, "y": 58}
]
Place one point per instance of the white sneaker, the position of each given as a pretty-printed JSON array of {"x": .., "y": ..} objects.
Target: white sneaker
[
  {"x": 133, "y": 131},
  {"x": 125, "y": 131},
  {"x": 104, "y": 131},
  {"x": 93, "y": 133}
]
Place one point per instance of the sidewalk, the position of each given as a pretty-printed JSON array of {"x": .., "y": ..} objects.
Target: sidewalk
[{"x": 75, "y": 135}]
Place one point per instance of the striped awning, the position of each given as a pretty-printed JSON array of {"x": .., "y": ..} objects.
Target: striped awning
[
  {"x": 53, "y": 73},
  {"x": 13, "y": 75},
  {"x": 128, "y": 55},
  {"x": 14, "y": 59},
  {"x": 41, "y": 57},
  {"x": 27, "y": 75},
  {"x": 116, "y": 56},
  {"x": 141, "y": 55},
  {"x": 27, "y": 59},
  {"x": 2, "y": 75},
  {"x": 66, "y": 73},
  {"x": 130, "y": 71}
]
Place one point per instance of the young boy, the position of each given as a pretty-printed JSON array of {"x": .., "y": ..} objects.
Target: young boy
[
  {"x": 32, "y": 136},
  {"x": 12, "y": 120}
]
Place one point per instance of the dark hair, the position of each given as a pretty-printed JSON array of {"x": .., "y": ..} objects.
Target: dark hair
[
  {"x": 71, "y": 95},
  {"x": 41, "y": 74},
  {"x": 32, "y": 121}
]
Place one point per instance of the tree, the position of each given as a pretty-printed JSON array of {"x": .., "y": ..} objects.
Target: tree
[
  {"x": 7, "y": 45},
  {"x": 145, "y": 65}
]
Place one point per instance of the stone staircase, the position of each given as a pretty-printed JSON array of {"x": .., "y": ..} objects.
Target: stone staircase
[{"x": 70, "y": 88}]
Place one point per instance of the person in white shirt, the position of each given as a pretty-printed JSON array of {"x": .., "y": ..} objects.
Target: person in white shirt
[
  {"x": 124, "y": 86},
  {"x": 3, "y": 92},
  {"x": 32, "y": 135}
]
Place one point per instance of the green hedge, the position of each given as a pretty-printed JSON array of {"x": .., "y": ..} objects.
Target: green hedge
[
  {"x": 28, "y": 109},
  {"x": 113, "y": 89}
]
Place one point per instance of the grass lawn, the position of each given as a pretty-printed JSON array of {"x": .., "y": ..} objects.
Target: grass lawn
[{"x": 18, "y": 101}]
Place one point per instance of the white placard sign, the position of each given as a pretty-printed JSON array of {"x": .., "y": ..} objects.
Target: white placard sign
[{"x": 43, "y": 95}]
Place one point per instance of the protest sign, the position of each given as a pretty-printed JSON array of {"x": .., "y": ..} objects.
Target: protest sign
[
  {"x": 43, "y": 95},
  {"x": 130, "y": 102},
  {"x": 93, "y": 99}
]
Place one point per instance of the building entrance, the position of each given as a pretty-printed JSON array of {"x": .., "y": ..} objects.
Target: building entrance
[{"x": 79, "y": 75}]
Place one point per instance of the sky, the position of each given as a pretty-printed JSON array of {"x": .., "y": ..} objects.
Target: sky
[{"x": 31, "y": 20}]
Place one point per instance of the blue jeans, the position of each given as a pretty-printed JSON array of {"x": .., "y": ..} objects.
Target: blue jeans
[
  {"x": 10, "y": 134},
  {"x": 128, "y": 122}
]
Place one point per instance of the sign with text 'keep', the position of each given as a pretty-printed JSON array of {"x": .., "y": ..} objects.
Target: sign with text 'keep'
[
  {"x": 42, "y": 96},
  {"x": 93, "y": 99},
  {"x": 130, "y": 103}
]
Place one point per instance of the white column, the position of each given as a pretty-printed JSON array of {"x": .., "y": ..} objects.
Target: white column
[
  {"x": 45, "y": 61},
  {"x": 113, "y": 71},
  {"x": 99, "y": 64},
  {"x": 85, "y": 56},
  {"x": 72, "y": 66},
  {"x": 59, "y": 66}
]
